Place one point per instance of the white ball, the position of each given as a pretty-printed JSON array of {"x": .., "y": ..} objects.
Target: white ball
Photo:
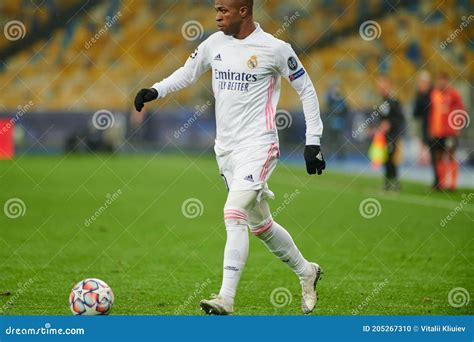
[{"x": 91, "y": 297}]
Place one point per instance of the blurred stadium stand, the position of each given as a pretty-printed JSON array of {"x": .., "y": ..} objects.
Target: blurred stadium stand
[{"x": 63, "y": 71}]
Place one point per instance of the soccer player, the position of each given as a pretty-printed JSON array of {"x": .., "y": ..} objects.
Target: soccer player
[
  {"x": 247, "y": 65},
  {"x": 444, "y": 101}
]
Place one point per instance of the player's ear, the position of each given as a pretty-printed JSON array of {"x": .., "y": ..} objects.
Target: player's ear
[{"x": 244, "y": 11}]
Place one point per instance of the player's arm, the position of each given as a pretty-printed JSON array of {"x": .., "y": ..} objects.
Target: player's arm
[
  {"x": 195, "y": 66},
  {"x": 291, "y": 68}
]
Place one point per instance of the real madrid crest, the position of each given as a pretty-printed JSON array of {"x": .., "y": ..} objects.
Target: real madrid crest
[{"x": 252, "y": 63}]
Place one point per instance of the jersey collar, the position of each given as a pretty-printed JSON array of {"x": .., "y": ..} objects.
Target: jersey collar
[{"x": 250, "y": 36}]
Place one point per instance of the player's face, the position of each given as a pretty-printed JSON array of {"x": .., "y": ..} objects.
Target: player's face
[{"x": 228, "y": 17}]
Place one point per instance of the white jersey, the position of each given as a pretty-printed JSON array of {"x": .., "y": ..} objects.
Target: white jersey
[{"x": 246, "y": 80}]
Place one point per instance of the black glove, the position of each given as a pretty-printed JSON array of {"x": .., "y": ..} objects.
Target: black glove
[
  {"x": 314, "y": 159},
  {"x": 143, "y": 96}
]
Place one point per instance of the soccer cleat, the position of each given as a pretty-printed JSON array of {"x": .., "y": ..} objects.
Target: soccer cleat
[
  {"x": 308, "y": 286},
  {"x": 216, "y": 306}
]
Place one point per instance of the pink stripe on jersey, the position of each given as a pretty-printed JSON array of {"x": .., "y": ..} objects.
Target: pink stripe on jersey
[
  {"x": 265, "y": 165},
  {"x": 271, "y": 154},
  {"x": 269, "y": 112}
]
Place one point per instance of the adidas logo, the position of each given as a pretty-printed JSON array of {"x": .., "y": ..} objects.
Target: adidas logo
[
  {"x": 320, "y": 156},
  {"x": 249, "y": 178},
  {"x": 218, "y": 58}
]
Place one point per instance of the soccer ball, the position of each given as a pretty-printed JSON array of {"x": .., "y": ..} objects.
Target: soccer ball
[{"x": 91, "y": 297}]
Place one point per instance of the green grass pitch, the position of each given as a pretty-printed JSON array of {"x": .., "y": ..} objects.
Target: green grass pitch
[{"x": 159, "y": 262}]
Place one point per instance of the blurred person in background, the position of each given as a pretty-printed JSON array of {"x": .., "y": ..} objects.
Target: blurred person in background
[
  {"x": 140, "y": 130},
  {"x": 336, "y": 118},
  {"x": 421, "y": 112},
  {"x": 391, "y": 124},
  {"x": 445, "y": 102}
]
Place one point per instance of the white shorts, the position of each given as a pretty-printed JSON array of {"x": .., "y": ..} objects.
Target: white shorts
[{"x": 249, "y": 168}]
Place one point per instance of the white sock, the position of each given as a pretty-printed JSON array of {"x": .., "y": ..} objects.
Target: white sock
[
  {"x": 235, "y": 255},
  {"x": 280, "y": 243}
]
